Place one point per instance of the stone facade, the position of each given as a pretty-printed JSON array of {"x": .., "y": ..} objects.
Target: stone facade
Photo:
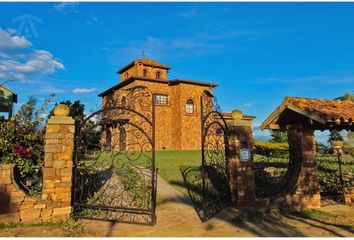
[
  {"x": 242, "y": 182},
  {"x": 349, "y": 196},
  {"x": 306, "y": 194},
  {"x": 175, "y": 128},
  {"x": 55, "y": 201},
  {"x": 303, "y": 190}
]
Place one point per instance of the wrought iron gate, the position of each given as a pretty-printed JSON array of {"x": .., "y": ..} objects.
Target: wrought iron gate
[
  {"x": 215, "y": 164},
  {"x": 114, "y": 167},
  {"x": 208, "y": 184}
]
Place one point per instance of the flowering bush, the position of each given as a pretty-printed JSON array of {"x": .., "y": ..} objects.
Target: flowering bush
[{"x": 22, "y": 142}]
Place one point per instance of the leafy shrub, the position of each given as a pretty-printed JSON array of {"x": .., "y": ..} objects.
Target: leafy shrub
[
  {"x": 328, "y": 173},
  {"x": 270, "y": 146},
  {"x": 21, "y": 143}
]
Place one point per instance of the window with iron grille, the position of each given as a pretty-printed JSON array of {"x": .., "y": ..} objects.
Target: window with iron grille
[{"x": 161, "y": 99}]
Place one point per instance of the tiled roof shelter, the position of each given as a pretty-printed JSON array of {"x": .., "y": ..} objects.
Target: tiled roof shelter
[{"x": 319, "y": 114}]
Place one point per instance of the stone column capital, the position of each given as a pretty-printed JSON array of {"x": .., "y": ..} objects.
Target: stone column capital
[
  {"x": 61, "y": 120},
  {"x": 237, "y": 120}
]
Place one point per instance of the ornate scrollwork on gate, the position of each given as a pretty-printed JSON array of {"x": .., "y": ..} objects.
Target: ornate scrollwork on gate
[
  {"x": 215, "y": 166},
  {"x": 208, "y": 185},
  {"x": 114, "y": 163},
  {"x": 276, "y": 173}
]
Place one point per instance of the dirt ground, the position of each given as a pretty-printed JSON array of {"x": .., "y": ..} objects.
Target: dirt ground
[{"x": 177, "y": 218}]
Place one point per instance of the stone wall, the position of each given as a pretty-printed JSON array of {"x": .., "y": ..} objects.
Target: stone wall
[
  {"x": 242, "y": 182},
  {"x": 55, "y": 201},
  {"x": 306, "y": 194},
  {"x": 188, "y": 134},
  {"x": 138, "y": 69},
  {"x": 349, "y": 196},
  {"x": 174, "y": 128},
  {"x": 302, "y": 190}
]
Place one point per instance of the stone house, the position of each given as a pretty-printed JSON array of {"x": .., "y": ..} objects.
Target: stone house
[{"x": 177, "y": 104}]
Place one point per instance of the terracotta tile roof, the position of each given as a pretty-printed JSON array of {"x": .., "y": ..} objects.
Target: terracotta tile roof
[
  {"x": 323, "y": 112},
  {"x": 193, "y": 82},
  {"x": 145, "y": 61},
  {"x": 169, "y": 82},
  {"x": 328, "y": 110}
]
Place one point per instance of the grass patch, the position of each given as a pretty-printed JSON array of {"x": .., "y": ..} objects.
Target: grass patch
[
  {"x": 9, "y": 225},
  {"x": 210, "y": 226},
  {"x": 169, "y": 163},
  {"x": 249, "y": 215},
  {"x": 69, "y": 226},
  {"x": 313, "y": 214}
]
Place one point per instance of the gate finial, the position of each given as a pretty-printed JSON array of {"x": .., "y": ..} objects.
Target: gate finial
[
  {"x": 62, "y": 110},
  {"x": 236, "y": 115}
]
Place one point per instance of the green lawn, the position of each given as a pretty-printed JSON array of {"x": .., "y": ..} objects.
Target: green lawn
[{"x": 169, "y": 163}]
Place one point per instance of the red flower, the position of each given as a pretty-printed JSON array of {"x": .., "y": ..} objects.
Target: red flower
[{"x": 21, "y": 150}]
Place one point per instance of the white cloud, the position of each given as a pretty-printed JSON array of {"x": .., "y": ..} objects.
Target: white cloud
[
  {"x": 333, "y": 78},
  {"x": 92, "y": 19},
  {"x": 197, "y": 45},
  {"x": 190, "y": 13},
  {"x": 83, "y": 90},
  {"x": 66, "y": 6},
  {"x": 20, "y": 63},
  {"x": 10, "y": 42},
  {"x": 258, "y": 134},
  {"x": 246, "y": 106}
]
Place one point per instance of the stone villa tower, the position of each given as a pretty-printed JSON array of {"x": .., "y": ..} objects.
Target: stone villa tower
[{"x": 177, "y": 103}]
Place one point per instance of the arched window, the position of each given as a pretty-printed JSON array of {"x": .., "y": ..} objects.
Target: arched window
[
  {"x": 145, "y": 73},
  {"x": 126, "y": 75},
  {"x": 122, "y": 139},
  {"x": 158, "y": 75},
  {"x": 190, "y": 106}
]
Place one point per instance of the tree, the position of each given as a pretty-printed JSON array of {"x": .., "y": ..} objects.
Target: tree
[
  {"x": 76, "y": 110},
  {"x": 335, "y": 135},
  {"x": 346, "y": 96},
  {"x": 279, "y": 136}
]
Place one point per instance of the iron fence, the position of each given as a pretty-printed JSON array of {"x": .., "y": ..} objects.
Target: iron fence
[
  {"x": 335, "y": 171},
  {"x": 270, "y": 169},
  {"x": 273, "y": 171}
]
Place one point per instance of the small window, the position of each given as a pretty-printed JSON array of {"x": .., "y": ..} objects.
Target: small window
[
  {"x": 161, "y": 99},
  {"x": 190, "y": 106},
  {"x": 158, "y": 75},
  {"x": 145, "y": 73},
  {"x": 126, "y": 75}
]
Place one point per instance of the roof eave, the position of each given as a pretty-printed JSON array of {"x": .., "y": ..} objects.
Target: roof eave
[{"x": 146, "y": 64}]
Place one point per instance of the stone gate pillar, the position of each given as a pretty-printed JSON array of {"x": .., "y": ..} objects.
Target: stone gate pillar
[
  {"x": 306, "y": 194},
  {"x": 242, "y": 182},
  {"x": 58, "y": 162}
]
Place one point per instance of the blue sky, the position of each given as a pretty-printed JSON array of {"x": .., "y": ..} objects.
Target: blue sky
[{"x": 257, "y": 52}]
